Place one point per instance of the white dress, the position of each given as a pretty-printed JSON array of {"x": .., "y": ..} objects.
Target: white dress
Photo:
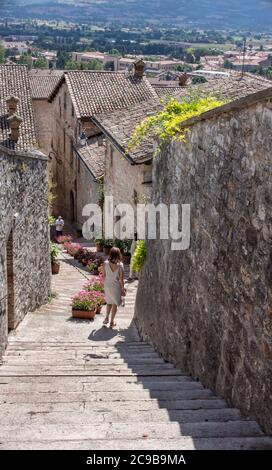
[{"x": 112, "y": 284}]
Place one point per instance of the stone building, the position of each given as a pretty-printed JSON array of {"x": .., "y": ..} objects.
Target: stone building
[
  {"x": 78, "y": 97},
  {"x": 24, "y": 238},
  {"x": 208, "y": 308},
  {"x": 128, "y": 174}
]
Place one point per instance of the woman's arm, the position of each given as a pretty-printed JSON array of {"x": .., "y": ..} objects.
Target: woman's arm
[{"x": 102, "y": 271}]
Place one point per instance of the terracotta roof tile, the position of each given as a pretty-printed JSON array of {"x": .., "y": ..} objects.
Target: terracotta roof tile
[
  {"x": 228, "y": 88},
  {"x": 93, "y": 155},
  {"x": 43, "y": 82},
  {"x": 14, "y": 80},
  {"x": 119, "y": 126},
  {"x": 96, "y": 92}
]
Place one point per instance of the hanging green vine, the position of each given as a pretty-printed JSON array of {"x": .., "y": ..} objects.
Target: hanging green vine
[{"x": 167, "y": 124}]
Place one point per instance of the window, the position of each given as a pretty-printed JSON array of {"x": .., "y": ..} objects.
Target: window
[
  {"x": 73, "y": 111},
  {"x": 64, "y": 143},
  {"x": 147, "y": 176},
  {"x": 71, "y": 154},
  {"x": 111, "y": 155},
  {"x": 65, "y": 100}
]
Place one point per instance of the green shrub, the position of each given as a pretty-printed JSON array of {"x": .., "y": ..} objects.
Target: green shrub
[
  {"x": 139, "y": 256},
  {"x": 54, "y": 251},
  {"x": 167, "y": 124}
]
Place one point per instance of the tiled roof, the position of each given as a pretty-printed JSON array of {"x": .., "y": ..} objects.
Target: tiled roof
[
  {"x": 119, "y": 127},
  {"x": 96, "y": 92},
  {"x": 93, "y": 155},
  {"x": 43, "y": 82},
  {"x": 228, "y": 88},
  {"x": 14, "y": 80},
  {"x": 165, "y": 91}
]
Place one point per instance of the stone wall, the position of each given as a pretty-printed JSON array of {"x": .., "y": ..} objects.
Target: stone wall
[
  {"x": 209, "y": 308},
  {"x": 24, "y": 238},
  {"x": 123, "y": 181}
]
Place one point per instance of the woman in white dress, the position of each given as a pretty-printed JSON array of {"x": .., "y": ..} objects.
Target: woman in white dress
[{"x": 113, "y": 274}]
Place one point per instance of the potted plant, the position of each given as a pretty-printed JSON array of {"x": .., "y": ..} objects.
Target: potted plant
[
  {"x": 84, "y": 305},
  {"x": 99, "y": 298},
  {"x": 99, "y": 242},
  {"x": 54, "y": 251},
  {"x": 126, "y": 251},
  {"x": 95, "y": 284}
]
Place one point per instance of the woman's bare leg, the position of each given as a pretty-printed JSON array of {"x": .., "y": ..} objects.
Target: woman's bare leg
[
  {"x": 109, "y": 307},
  {"x": 113, "y": 313}
]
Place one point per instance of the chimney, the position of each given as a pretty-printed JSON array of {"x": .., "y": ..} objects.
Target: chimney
[
  {"x": 12, "y": 102},
  {"x": 14, "y": 124},
  {"x": 139, "y": 68},
  {"x": 183, "y": 79}
]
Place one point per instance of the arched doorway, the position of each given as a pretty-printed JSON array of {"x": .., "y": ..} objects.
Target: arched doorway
[
  {"x": 10, "y": 284},
  {"x": 72, "y": 207}
]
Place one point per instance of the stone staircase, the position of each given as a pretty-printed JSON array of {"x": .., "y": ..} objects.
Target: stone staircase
[{"x": 73, "y": 384}]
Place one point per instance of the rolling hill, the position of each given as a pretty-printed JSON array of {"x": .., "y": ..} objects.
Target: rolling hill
[{"x": 223, "y": 14}]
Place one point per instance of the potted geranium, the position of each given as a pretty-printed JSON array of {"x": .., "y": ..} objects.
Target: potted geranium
[
  {"x": 99, "y": 242},
  {"x": 84, "y": 305},
  {"x": 54, "y": 251},
  {"x": 100, "y": 300},
  {"x": 95, "y": 284}
]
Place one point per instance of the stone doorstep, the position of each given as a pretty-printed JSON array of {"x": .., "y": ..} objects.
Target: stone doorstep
[{"x": 183, "y": 443}]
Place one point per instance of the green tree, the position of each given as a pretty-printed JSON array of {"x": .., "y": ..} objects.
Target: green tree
[
  {"x": 109, "y": 65},
  {"x": 26, "y": 59},
  {"x": 41, "y": 63},
  {"x": 94, "y": 65},
  {"x": 200, "y": 79},
  {"x": 2, "y": 53},
  {"x": 227, "y": 64},
  {"x": 72, "y": 65}
]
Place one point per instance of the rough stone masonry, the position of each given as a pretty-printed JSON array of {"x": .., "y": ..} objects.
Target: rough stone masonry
[
  {"x": 209, "y": 309},
  {"x": 24, "y": 239}
]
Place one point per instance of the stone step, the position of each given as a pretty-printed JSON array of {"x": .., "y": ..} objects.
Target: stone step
[
  {"x": 14, "y": 418},
  {"x": 131, "y": 407},
  {"x": 87, "y": 366},
  {"x": 183, "y": 443},
  {"x": 79, "y": 386},
  {"x": 81, "y": 361},
  {"x": 105, "y": 381},
  {"x": 126, "y": 396},
  {"x": 120, "y": 431}
]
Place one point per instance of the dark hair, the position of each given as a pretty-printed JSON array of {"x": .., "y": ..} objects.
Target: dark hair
[{"x": 115, "y": 255}]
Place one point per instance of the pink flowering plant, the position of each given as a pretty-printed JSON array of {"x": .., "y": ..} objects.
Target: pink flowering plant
[
  {"x": 72, "y": 248},
  {"x": 95, "y": 284},
  {"x": 64, "y": 239},
  {"x": 84, "y": 300}
]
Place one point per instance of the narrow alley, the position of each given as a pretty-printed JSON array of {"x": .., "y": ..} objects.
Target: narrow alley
[{"x": 74, "y": 384}]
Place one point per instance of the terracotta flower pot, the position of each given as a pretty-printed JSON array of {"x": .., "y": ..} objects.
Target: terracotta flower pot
[
  {"x": 55, "y": 267},
  {"x": 83, "y": 314}
]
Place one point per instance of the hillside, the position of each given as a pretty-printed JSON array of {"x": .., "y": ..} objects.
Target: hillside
[{"x": 247, "y": 14}]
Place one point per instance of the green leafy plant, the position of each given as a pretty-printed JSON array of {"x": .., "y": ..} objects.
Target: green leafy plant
[
  {"x": 54, "y": 251},
  {"x": 100, "y": 241},
  {"x": 139, "y": 256},
  {"x": 51, "y": 220},
  {"x": 167, "y": 124}
]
